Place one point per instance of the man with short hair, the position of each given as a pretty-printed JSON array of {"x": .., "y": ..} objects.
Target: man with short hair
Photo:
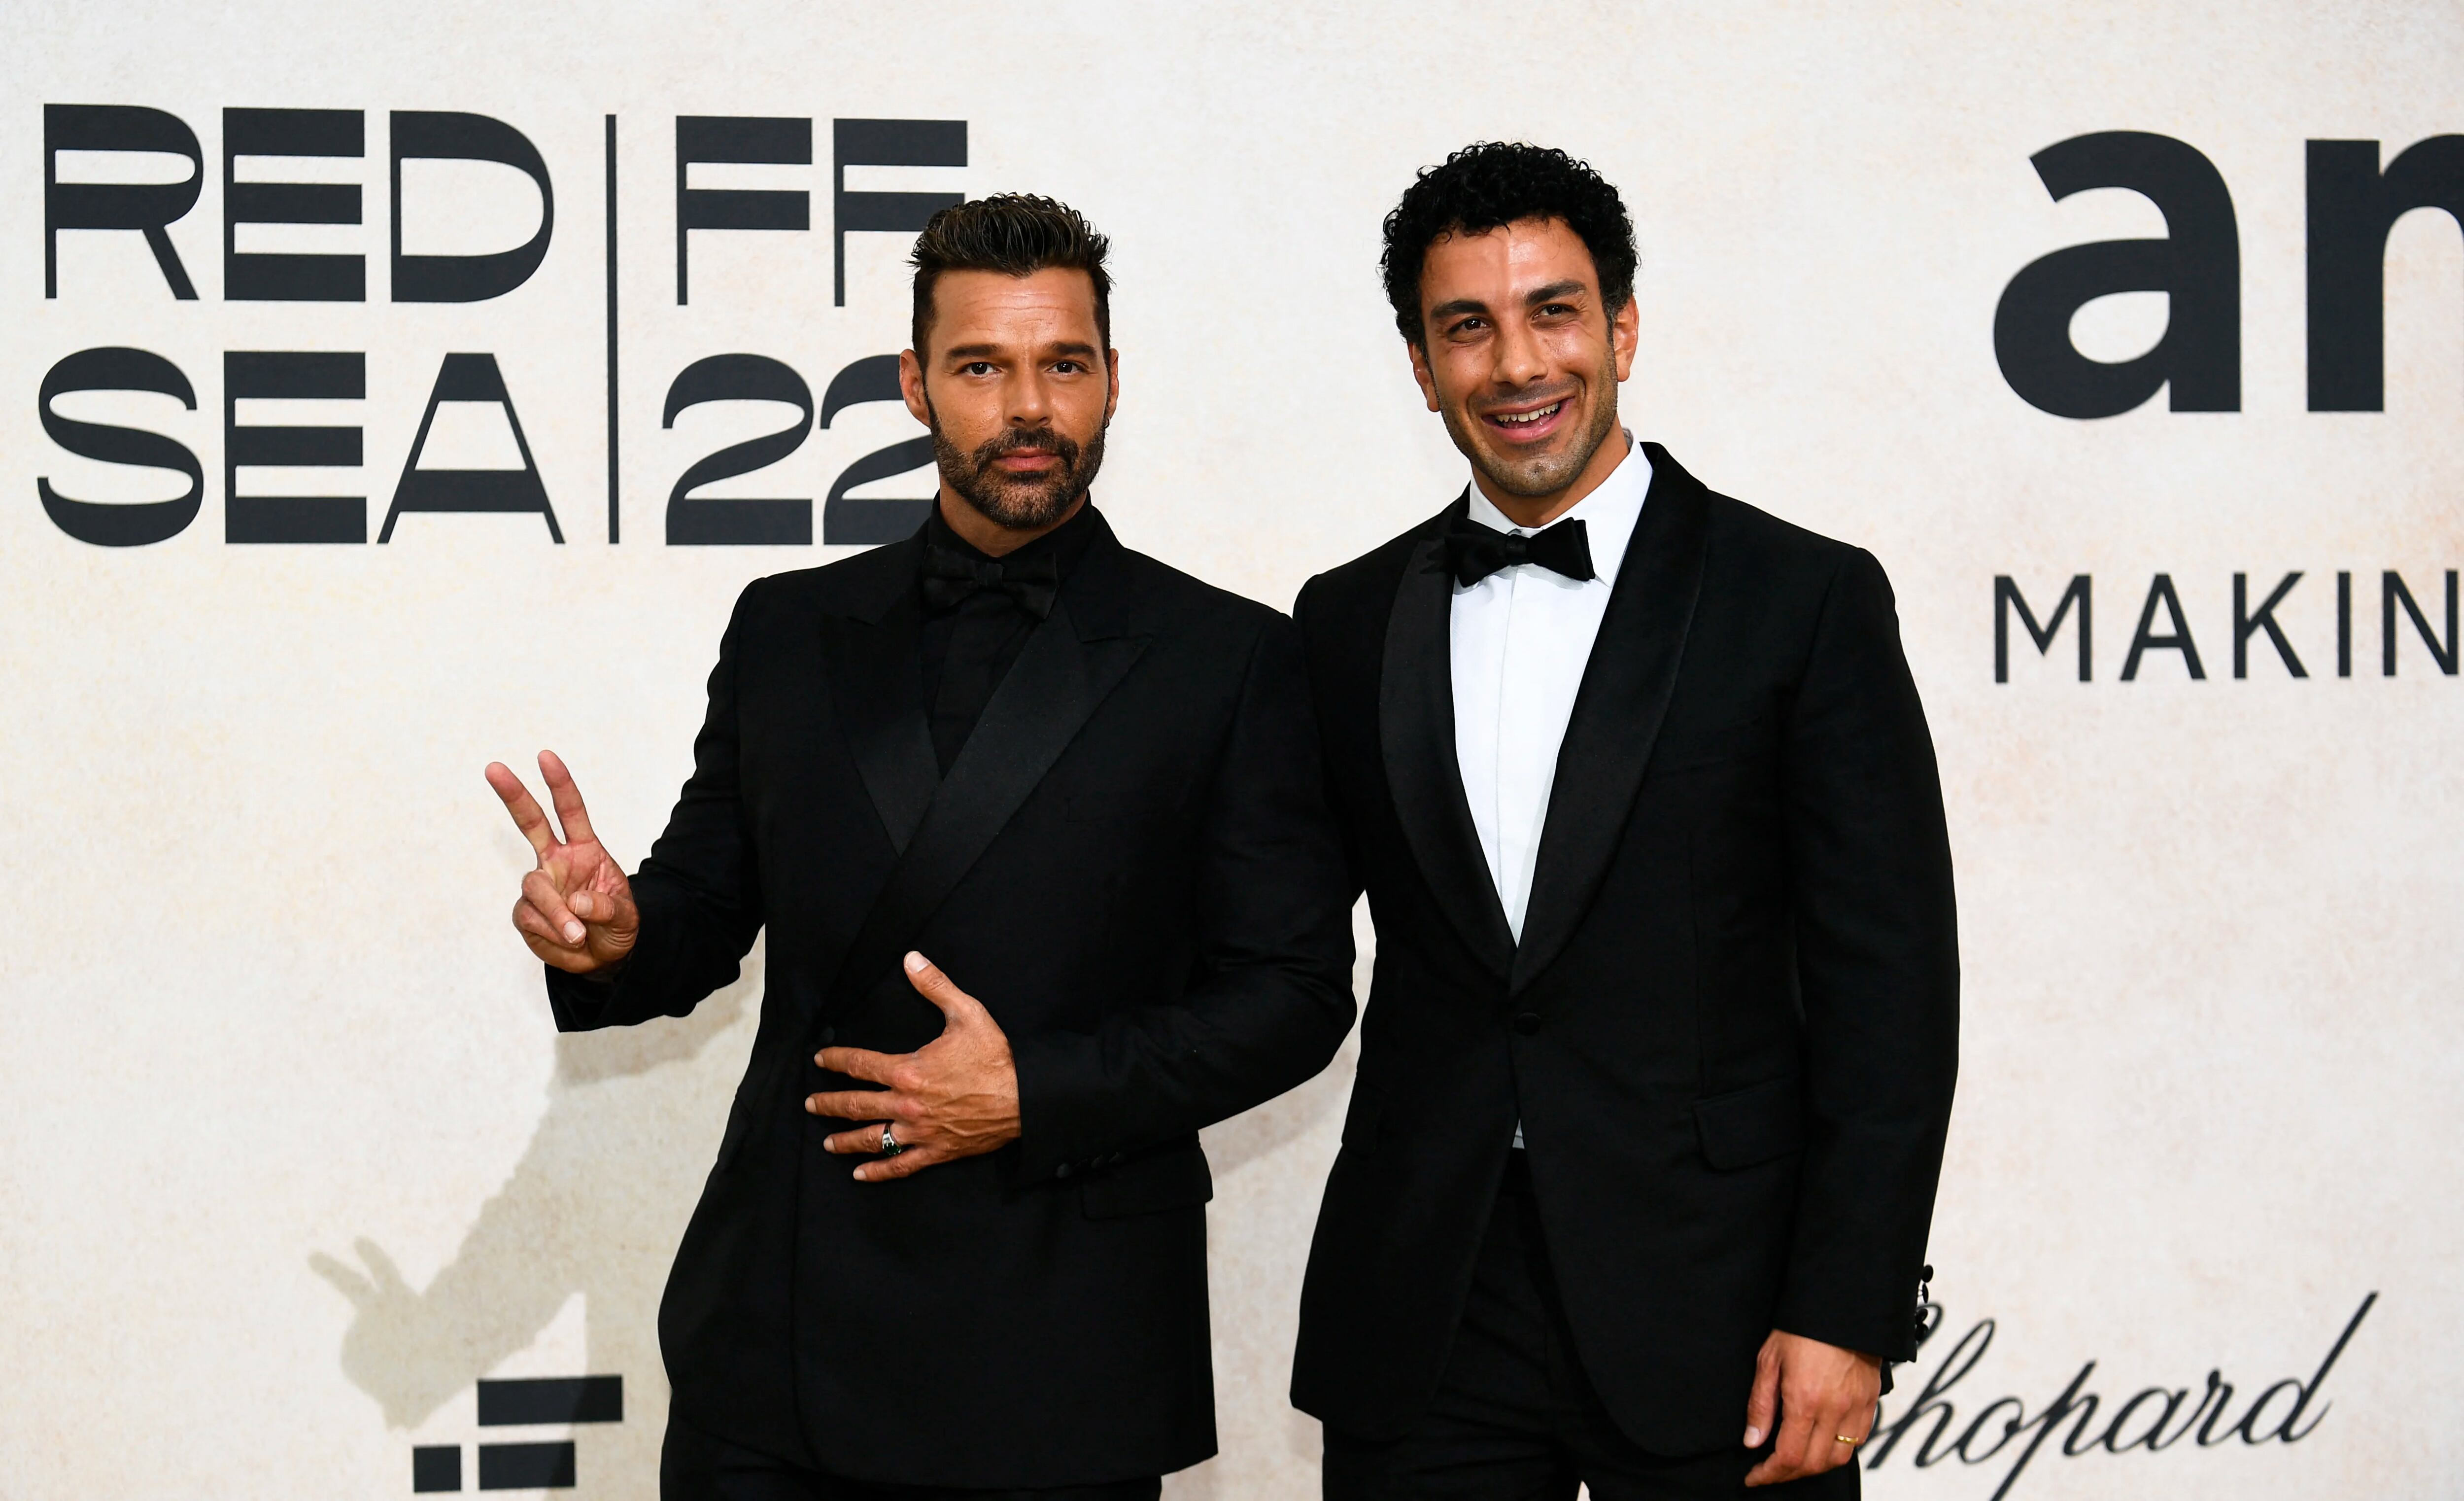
[
  {"x": 954, "y": 1242},
  {"x": 1656, "y": 1067}
]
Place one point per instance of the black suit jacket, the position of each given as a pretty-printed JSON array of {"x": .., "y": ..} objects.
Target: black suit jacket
[
  {"x": 1730, "y": 1028},
  {"x": 1131, "y": 865}
]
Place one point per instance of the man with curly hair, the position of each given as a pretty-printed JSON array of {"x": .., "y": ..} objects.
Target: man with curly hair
[{"x": 1656, "y": 1067}]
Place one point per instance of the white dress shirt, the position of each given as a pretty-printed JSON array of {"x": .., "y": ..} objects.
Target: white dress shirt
[{"x": 1520, "y": 640}]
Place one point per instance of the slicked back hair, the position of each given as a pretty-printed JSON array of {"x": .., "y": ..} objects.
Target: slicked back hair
[
  {"x": 1489, "y": 184},
  {"x": 1017, "y": 235}
]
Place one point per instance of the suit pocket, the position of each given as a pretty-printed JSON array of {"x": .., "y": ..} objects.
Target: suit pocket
[
  {"x": 1175, "y": 1178},
  {"x": 1752, "y": 1125}
]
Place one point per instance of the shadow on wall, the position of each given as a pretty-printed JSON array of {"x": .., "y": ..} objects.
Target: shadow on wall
[
  {"x": 595, "y": 1206},
  {"x": 600, "y": 1199}
]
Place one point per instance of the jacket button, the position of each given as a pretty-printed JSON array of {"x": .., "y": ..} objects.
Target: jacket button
[
  {"x": 1527, "y": 1022},
  {"x": 1062, "y": 1171},
  {"x": 829, "y": 1035}
]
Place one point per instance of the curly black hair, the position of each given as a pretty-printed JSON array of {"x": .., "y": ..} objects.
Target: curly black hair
[
  {"x": 1490, "y": 184},
  {"x": 1017, "y": 235}
]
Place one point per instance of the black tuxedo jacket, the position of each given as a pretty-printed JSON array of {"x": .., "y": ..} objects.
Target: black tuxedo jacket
[
  {"x": 1730, "y": 1028},
  {"x": 1131, "y": 865}
]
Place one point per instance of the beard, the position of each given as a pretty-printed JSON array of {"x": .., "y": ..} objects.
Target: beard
[
  {"x": 1543, "y": 473},
  {"x": 1020, "y": 502}
]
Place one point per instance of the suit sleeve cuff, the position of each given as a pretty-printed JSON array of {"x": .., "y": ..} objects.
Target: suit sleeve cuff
[
  {"x": 653, "y": 979},
  {"x": 581, "y": 1003},
  {"x": 1063, "y": 1122},
  {"x": 1885, "y": 1330}
]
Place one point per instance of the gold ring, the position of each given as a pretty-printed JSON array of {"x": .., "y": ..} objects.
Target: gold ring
[{"x": 1842, "y": 1438}]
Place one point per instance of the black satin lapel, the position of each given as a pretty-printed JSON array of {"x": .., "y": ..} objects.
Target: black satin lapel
[
  {"x": 877, "y": 691},
  {"x": 1415, "y": 731},
  {"x": 1617, "y": 713},
  {"x": 1049, "y": 693}
]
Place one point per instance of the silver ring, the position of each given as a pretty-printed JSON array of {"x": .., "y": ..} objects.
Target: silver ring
[{"x": 891, "y": 1146}]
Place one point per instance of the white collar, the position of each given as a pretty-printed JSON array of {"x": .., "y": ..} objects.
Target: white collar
[{"x": 1608, "y": 513}]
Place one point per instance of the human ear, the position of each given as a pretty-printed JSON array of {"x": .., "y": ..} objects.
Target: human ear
[
  {"x": 1420, "y": 373},
  {"x": 911, "y": 386}
]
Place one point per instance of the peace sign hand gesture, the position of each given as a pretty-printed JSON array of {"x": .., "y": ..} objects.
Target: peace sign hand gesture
[{"x": 577, "y": 910}]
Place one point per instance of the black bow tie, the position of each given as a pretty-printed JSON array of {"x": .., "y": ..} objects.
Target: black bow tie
[
  {"x": 1474, "y": 552},
  {"x": 952, "y": 577}
]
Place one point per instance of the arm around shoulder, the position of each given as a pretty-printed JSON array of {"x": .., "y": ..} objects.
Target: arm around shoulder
[{"x": 1270, "y": 997}]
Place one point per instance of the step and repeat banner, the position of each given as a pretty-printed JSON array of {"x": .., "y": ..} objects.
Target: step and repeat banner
[{"x": 387, "y": 390}]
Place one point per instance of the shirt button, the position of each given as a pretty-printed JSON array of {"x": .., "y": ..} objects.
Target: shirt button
[
  {"x": 1528, "y": 1023},
  {"x": 1062, "y": 1171}
]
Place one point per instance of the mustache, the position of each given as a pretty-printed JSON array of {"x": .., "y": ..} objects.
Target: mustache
[{"x": 1012, "y": 440}]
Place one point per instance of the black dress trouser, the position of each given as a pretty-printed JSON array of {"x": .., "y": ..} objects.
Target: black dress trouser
[
  {"x": 1515, "y": 1419},
  {"x": 695, "y": 1466}
]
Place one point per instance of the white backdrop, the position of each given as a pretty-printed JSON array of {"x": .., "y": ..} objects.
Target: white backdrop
[{"x": 291, "y": 1153}]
